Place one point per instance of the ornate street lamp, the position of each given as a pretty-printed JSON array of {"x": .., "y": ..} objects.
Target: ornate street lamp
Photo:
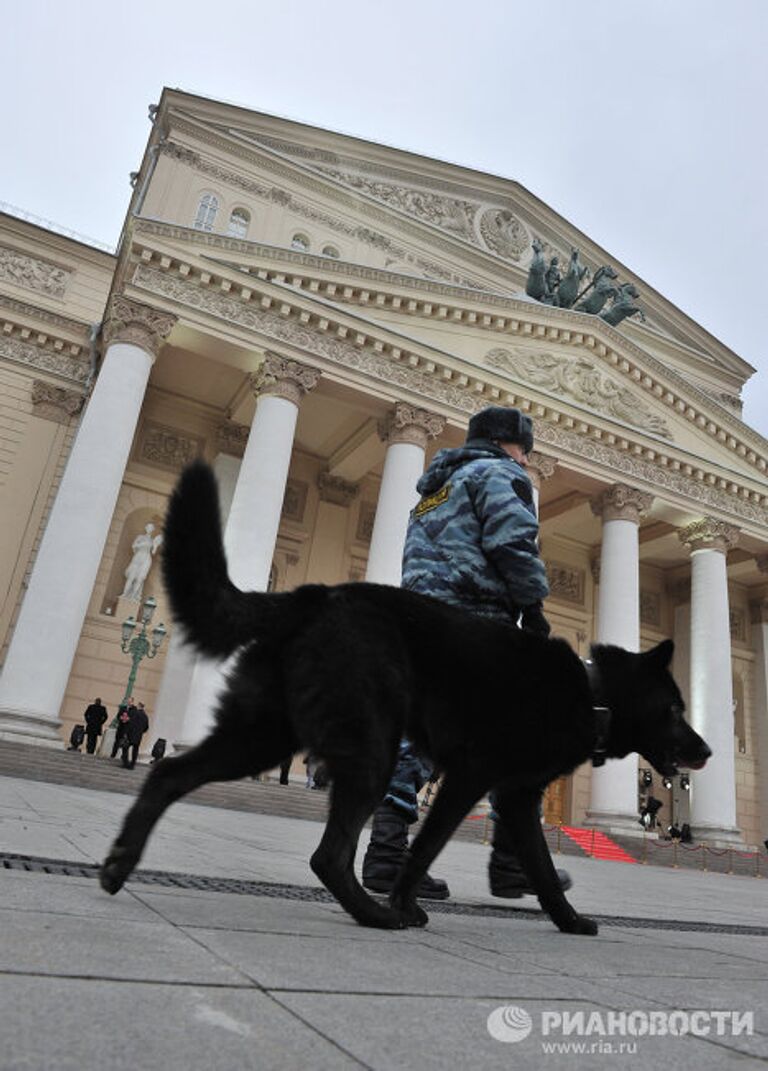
[{"x": 138, "y": 646}]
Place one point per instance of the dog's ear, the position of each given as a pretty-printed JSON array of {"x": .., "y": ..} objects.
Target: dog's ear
[{"x": 661, "y": 654}]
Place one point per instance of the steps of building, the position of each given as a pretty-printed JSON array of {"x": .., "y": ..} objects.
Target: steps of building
[{"x": 59, "y": 766}]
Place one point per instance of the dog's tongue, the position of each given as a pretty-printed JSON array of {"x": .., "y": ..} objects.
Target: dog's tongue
[{"x": 698, "y": 765}]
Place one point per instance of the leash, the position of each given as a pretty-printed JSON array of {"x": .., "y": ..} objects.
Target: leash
[{"x": 602, "y": 714}]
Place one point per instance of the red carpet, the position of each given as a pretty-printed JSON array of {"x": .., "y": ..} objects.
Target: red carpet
[{"x": 597, "y": 845}]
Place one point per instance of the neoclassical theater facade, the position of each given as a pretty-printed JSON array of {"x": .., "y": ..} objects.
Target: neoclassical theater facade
[{"x": 317, "y": 315}]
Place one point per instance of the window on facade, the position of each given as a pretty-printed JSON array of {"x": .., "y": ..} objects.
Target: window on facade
[
  {"x": 238, "y": 223},
  {"x": 330, "y": 251},
  {"x": 300, "y": 242},
  {"x": 206, "y": 212}
]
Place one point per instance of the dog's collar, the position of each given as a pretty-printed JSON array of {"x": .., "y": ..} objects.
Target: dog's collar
[{"x": 601, "y": 711}]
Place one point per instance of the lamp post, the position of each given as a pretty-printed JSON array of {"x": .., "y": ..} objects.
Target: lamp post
[{"x": 139, "y": 646}]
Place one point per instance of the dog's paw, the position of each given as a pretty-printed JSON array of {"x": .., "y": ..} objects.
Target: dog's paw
[
  {"x": 115, "y": 869},
  {"x": 580, "y": 925},
  {"x": 409, "y": 911}
]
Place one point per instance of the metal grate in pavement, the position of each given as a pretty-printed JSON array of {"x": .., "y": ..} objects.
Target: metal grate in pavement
[{"x": 39, "y": 865}]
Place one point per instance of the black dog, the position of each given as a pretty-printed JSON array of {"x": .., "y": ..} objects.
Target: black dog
[{"x": 344, "y": 672}]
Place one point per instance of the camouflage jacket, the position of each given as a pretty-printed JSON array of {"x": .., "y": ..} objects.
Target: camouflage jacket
[{"x": 472, "y": 538}]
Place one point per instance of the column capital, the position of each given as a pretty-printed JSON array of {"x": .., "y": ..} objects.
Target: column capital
[
  {"x": 762, "y": 563},
  {"x": 540, "y": 468},
  {"x": 231, "y": 438},
  {"x": 55, "y": 403},
  {"x": 284, "y": 378},
  {"x": 336, "y": 490},
  {"x": 130, "y": 321},
  {"x": 709, "y": 533},
  {"x": 409, "y": 424},
  {"x": 621, "y": 503}
]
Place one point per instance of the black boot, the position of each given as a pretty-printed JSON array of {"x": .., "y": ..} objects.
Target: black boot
[
  {"x": 384, "y": 855},
  {"x": 505, "y": 874}
]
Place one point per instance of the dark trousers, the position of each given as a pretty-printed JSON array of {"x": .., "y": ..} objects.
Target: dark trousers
[
  {"x": 129, "y": 763},
  {"x": 91, "y": 740},
  {"x": 117, "y": 743}
]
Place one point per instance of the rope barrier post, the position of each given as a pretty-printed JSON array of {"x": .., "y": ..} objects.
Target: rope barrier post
[
  {"x": 674, "y": 853},
  {"x": 485, "y": 829},
  {"x": 730, "y": 860},
  {"x": 704, "y": 850},
  {"x": 558, "y": 842}
]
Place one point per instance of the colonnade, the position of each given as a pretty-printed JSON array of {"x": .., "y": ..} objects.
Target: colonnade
[{"x": 40, "y": 656}]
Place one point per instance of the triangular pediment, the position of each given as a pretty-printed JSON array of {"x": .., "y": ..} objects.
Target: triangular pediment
[{"x": 413, "y": 216}]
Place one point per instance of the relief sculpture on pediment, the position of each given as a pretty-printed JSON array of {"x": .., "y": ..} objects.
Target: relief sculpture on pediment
[
  {"x": 447, "y": 213},
  {"x": 504, "y": 234},
  {"x": 32, "y": 273},
  {"x": 581, "y": 381}
]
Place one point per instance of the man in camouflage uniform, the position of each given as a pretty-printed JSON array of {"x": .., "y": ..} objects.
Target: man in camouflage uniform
[{"x": 472, "y": 542}]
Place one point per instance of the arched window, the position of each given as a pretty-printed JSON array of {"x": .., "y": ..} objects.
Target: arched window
[
  {"x": 330, "y": 251},
  {"x": 300, "y": 242},
  {"x": 206, "y": 212},
  {"x": 239, "y": 221}
]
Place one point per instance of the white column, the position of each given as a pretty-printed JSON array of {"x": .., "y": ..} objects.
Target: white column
[
  {"x": 254, "y": 518},
  {"x": 613, "y": 803},
  {"x": 180, "y": 660},
  {"x": 39, "y": 659},
  {"x": 713, "y": 789},
  {"x": 406, "y": 433},
  {"x": 759, "y": 614}
]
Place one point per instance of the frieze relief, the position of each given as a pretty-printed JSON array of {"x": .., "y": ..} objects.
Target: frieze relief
[
  {"x": 581, "y": 381},
  {"x": 737, "y": 623},
  {"x": 43, "y": 360},
  {"x": 430, "y": 388},
  {"x": 650, "y": 608},
  {"x": 295, "y": 501},
  {"x": 448, "y": 213},
  {"x": 566, "y": 582},
  {"x": 31, "y": 273},
  {"x": 365, "y": 520},
  {"x": 167, "y": 448}
]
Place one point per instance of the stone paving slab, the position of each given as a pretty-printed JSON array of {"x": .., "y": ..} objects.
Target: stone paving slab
[
  {"x": 380, "y": 1031},
  {"x": 46, "y": 943},
  {"x": 80, "y": 1025}
]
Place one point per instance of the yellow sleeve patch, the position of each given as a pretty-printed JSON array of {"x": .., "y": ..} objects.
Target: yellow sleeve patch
[{"x": 432, "y": 501}]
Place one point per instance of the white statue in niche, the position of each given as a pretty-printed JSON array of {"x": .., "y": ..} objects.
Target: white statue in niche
[{"x": 143, "y": 547}]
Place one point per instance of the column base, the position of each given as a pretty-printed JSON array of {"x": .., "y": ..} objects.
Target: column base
[
  {"x": 718, "y": 836},
  {"x": 30, "y": 727},
  {"x": 624, "y": 825}
]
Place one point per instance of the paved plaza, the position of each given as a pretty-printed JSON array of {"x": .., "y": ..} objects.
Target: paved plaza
[{"x": 159, "y": 977}]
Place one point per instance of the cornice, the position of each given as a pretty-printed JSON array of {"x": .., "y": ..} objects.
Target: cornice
[
  {"x": 16, "y": 311},
  {"x": 337, "y": 346},
  {"x": 517, "y": 316}
]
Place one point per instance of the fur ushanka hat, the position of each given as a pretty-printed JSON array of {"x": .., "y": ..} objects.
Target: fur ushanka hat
[{"x": 504, "y": 424}]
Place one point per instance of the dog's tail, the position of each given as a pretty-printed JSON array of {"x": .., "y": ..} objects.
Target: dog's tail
[{"x": 217, "y": 616}]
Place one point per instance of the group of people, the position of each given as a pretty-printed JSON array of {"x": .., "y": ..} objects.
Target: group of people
[{"x": 132, "y": 723}]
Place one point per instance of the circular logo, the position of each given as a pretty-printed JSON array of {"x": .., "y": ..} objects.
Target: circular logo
[{"x": 509, "y": 1023}]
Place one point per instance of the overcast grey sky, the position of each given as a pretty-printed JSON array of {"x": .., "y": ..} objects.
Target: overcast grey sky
[{"x": 643, "y": 124}]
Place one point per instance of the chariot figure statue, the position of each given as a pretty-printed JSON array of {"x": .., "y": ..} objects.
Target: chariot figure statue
[{"x": 143, "y": 547}]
